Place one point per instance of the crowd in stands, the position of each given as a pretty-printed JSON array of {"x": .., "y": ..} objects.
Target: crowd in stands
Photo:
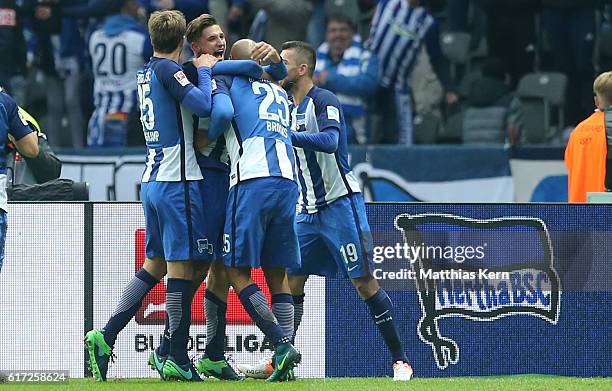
[{"x": 406, "y": 71}]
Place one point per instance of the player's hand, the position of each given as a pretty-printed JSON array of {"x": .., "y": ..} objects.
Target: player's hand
[
  {"x": 205, "y": 60},
  {"x": 264, "y": 53}
]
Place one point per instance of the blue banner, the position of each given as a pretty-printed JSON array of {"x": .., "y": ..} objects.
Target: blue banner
[{"x": 482, "y": 289}]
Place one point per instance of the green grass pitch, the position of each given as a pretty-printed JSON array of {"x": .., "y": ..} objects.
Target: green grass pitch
[{"x": 497, "y": 383}]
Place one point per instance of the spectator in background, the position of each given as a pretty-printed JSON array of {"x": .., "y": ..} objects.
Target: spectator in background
[
  {"x": 511, "y": 34},
  {"x": 232, "y": 17},
  {"x": 284, "y": 20},
  {"x": 348, "y": 70},
  {"x": 493, "y": 114},
  {"x": 399, "y": 29},
  {"x": 13, "y": 48},
  {"x": 118, "y": 50},
  {"x": 587, "y": 158},
  {"x": 322, "y": 8},
  {"x": 570, "y": 28},
  {"x": 315, "y": 34},
  {"x": 60, "y": 46},
  {"x": 190, "y": 8}
]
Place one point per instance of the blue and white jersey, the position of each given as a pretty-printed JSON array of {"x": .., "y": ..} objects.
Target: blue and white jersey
[
  {"x": 397, "y": 34},
  {"x": 213, "y": 155},
  {"x": 118, "y": 50},
  {"x": 258, "y": 143},
  {"x": 11, "y": 123},
  {"x": 162, "y": 85},
  {"x": 353, "y": 63},
  {"x": 322, "y": 177}
]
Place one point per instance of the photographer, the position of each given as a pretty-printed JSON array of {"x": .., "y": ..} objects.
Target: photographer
[
  {"x": 46, "y": 166},
  {"x": 12, "y": 124}
]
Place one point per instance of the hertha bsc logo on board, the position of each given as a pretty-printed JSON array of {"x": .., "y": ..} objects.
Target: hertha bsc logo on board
[{"x": 480, "y": 270}]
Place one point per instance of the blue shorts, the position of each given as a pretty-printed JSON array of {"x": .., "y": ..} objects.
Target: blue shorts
[
  {"x": 337, "y": 236},
  {"x": 3, "y": 227},
  {"x": 214, "y": 195},
  {"x": 174, "y": 217},
  {"x": 260, "y": 224}
]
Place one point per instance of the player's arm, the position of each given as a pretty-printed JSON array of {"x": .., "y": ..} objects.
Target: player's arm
[
  {"x": 223, "y": 110},
  {"x": 25, "y": 139},
  {"x": 264, "y": 53},
  {"x": 250, "y": 68},
  {"x": 247, "y": 68},
  {"x": 324, "y": 141},
  {"x": 363, "y": 84},
  {"x": 197, "y": 100},
  {"x": 328, "y": 112}
]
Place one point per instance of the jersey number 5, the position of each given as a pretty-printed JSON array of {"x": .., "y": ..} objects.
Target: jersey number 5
[
  {"x": 274, "y": 94},
  {"x": 147, "y": 116}
]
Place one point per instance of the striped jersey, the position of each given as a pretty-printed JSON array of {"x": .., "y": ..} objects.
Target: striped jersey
[
  {"x": 117, "y": 51},
  {"x": 213, "y": 155},
  {"x": 397, "y": 34},
  {"x": 353, "y": 63},
  {"x": 258, "y": 143},
  {"x": 356, "y": 62},
  {"x": 322, "y": 177},
  {"x": 162, "y": 84}
]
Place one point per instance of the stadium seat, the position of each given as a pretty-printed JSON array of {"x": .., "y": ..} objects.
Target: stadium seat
[
  {"x": 540, "y": 93},
  {"x": 604, "y": 45},
  {"x": 456, "y": 47}
]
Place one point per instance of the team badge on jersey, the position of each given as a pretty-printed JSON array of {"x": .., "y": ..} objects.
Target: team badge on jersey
[
  {"x": 333, "y": 113},
  {"x": 181, "y": 78}
]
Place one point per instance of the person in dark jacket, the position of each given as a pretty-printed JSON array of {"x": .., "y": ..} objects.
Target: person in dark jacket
[
  {"x": 493, "y": 114},
  {"x": 13, "y": 47},
  {"x": 511, "y": 34},
  {"x": 60, "y": 48},
  {"x": 570, "y": 29}
]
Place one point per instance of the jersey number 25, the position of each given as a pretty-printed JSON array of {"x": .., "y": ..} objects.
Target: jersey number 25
[{"x": 275, "y": 96}]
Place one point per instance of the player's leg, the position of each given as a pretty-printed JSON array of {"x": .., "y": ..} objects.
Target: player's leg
[
  {"x": 253, "y": 204},
  {"x": 3, "y": 228},
  {"x": 296, "y": 285},
  {"x": 182, "y": 216},
  {"x": 316, "y": 259},
  {"x": 345, "y": 224},
  {"x": 179, "y": 294},
  {"x": 160, "y": 354},
  {"x": 153, "y": 270},
  {"x": 281, "y": 251},
  {"x": 282, "y": 301},
  {"x": 264, "y": 368},
  {"x": 257, "y": 306},
  {"x": 214, "y": 363},
  {"x": 215, "y": 302},
  {"x": 215, "y": 192},
  {"x": 100, "y": 343}
]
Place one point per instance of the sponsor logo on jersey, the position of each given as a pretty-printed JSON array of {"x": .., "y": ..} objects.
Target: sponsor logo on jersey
[
  {"x": 333, "y": 113},
  {"x": 181, "y": 78}
]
